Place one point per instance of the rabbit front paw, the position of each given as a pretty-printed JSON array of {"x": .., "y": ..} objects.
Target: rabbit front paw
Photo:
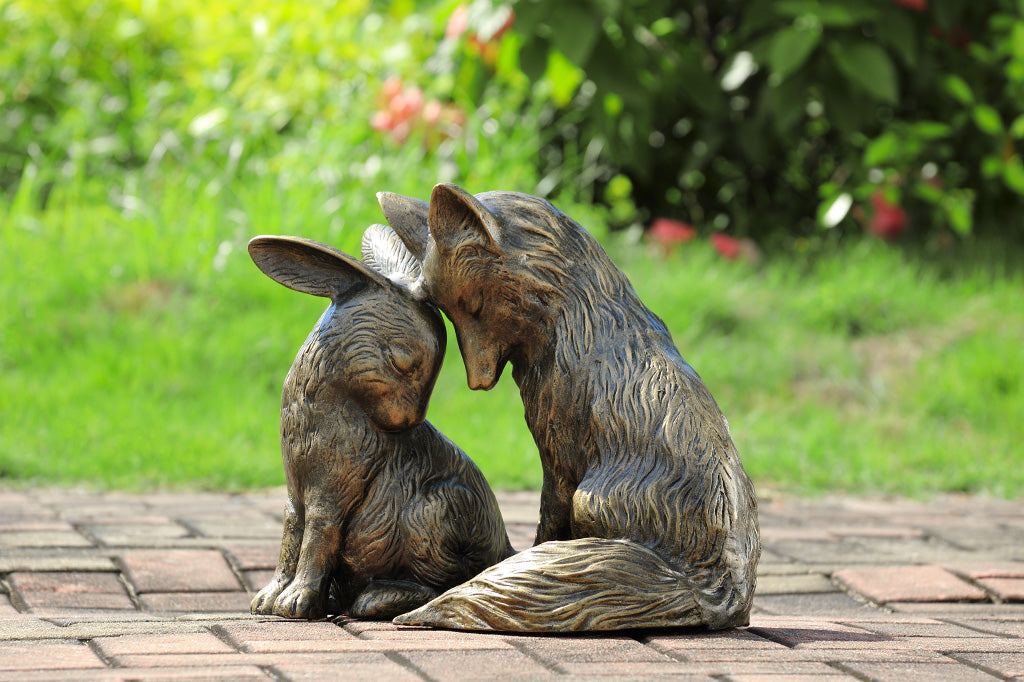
[
  {"x": 263, "y": 602},
  {"x": 299, "y": 601}
]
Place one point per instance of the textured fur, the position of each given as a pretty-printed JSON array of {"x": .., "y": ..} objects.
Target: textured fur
[
  {"x": 633, "y": 447},
  {"x": 380, "y": 504}
]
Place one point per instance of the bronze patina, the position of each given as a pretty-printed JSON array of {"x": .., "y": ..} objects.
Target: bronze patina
[
  {"x": 647, "y": 517},
  {"x": 384, "y": 512}
]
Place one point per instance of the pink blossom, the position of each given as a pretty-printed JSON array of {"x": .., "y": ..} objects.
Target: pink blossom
[{"x": 728, "y": 247}]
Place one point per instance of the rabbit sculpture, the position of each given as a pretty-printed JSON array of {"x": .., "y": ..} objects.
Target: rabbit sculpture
[{"x": 384, "y": 512}]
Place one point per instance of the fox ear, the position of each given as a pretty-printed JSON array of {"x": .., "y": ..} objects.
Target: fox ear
[
  {"x": 457, "y": 217},
  {"x": 311, "y": 267},
  {"x": 408, "y": 218}
]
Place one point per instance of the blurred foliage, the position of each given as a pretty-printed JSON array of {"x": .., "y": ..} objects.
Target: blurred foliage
[
  {"x": 753, "y": 118},
  {"x": 788, "y": 116}
]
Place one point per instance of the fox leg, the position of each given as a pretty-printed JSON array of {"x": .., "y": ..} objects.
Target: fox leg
[
  {"x": 306, "y": 595},
  {"x": 287, "y": 562},
  {"x": 555, "y": 510}
]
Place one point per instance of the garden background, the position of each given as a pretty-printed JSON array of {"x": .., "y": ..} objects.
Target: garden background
[{"x": 822, "y": 200}]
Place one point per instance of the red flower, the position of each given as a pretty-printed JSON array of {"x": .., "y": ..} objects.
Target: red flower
[
  {"x": 888, "y": 220},
  {"x": 728, "y": 247},
  {"x": 458, "y": 22},
  {"x": 916, "y": 5},
  {"x": 667, "y": 232}
]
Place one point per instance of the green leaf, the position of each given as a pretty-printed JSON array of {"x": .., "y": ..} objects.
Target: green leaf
[
  {"x": 959, "y": 208},
  {"x": 959, "y": 89},
  {"x": 1017, "y": 127},
  {"x": 987, "y": 119},
  {"x": 882, "y": 149},
  {"x": 790, "y": 48},
  {"x": 533, "y": 58},
  {"x": 930, "y": 130},
  {"x": 1013, "y": 174},
  {"x": 899, "y": 33},
  {"x": 869, "y": 67},
  {"x": 577, "y": 33}
]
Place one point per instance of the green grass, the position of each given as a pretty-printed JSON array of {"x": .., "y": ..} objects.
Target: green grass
[{"x": 139, "y": 346}]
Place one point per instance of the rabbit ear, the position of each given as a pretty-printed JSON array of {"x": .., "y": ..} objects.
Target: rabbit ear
[
  {"x": 408, "y": 218},
  {"x": 457, "y": 217},
  {"x": 384, "y": 251},
  {"x": 311, "y": 267}
]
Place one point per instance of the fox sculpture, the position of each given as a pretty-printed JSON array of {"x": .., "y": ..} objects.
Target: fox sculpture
[
  {"x": 384, "y": 512},
  {"x": 647, "y": 518}
]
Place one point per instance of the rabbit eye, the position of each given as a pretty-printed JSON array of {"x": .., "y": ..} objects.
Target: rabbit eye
[{"x": 402, "y": 359}]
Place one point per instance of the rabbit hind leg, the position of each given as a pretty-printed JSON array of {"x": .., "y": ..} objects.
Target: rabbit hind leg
[{"x": 385, "y": 599}]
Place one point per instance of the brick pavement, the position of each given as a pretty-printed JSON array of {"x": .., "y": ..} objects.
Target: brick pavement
[{"x": 117, "y": 586}]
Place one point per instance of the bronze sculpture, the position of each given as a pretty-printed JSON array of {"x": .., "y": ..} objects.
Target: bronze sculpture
[
  {"x": 647, "y": 517},
  {"x": 384, "y": 512}
]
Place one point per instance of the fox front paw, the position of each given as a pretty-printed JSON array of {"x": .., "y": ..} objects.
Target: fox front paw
[{"x": 299, "y": 601}]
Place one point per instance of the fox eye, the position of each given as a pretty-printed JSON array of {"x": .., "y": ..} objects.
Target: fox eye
[
  {"x": 402, "y": 359},
  {"x": 473, "y": 304}
]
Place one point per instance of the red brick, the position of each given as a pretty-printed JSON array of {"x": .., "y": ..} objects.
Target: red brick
[
  {"x": 992, "y": 569},
  {"x": 1007, "y": 664},
  {"x": 715, "y": 669},
  {"x": 912, "y": 672},
  {"x": 197, "y": 602},
  {"x": 909, "y": 583},
  {"x": 45, "y": 602},
  {"x": 68, "y": 582},
  {"x": 181, "y": 570},
  {"x": 555, "y": 650},
  {"x": 195, "y": 643},
  {"x": 251, "y": 633},
  {"x": 462, "y": 665},
  {"x": 1007, "y": 589},
  {"x": 46, "y": 656},
  {"x": 255, "y": 556},
  {"x": 381, "y": 669}
]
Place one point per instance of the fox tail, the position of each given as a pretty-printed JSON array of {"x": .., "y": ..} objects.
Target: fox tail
[{"x": 589, "y": 584}]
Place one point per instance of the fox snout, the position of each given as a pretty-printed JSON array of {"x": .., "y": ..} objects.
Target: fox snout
[{"x": 483, "y": 367}]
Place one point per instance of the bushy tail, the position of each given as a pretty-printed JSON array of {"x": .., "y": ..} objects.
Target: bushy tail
[{"x": 587, "y": 584}]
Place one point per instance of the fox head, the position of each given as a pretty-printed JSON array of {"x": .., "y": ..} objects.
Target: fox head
[{"x": 493, "y": 265}]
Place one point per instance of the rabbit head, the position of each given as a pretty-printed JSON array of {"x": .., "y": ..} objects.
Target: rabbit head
[{"x": 380, "y": 343}]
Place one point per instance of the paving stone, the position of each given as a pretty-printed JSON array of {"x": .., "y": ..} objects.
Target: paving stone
[
  {"x": 932, "y": 628},
  {"x": 959, "y": 610},
  {"x": 280, "y": 635},
  {"x": 45, "y": 603},
  {"x": 43, "y": 538},
  {"x": 1006, "y": 589},
  {"x": 557, "y": 651},
  {"x": 976, "y": 570},
  {"x": 719, "y": 668},
  {"x": 179, "y": 571},
  {"x": 794, "y": 584},
  {"x": 5, "y": 605},
  {"x": 359, "y": 666},
  {"x": 1008, "y": 628},
  {"x": 258, "y": 528},
  {"x": 925, "y": 672},
  {"x": 191, "y": 602},
  {"x": 1007, "y": 664},
  {"x": 194, "y": 643},
  {"x": 256, "y": 580},
  {"x": 11, "y": 563},
  {"x": 783, "y": 655},
  {"x": 46, "y": 656},
  {"x": 476, "y": 665},
  {"x": 255, "y": 555},
  {"x": 67, "y": 582},
  {"x": 825, "y": 604},
  {"x": 135, "y": 534},
  {"x": 908, "y": 583}
]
